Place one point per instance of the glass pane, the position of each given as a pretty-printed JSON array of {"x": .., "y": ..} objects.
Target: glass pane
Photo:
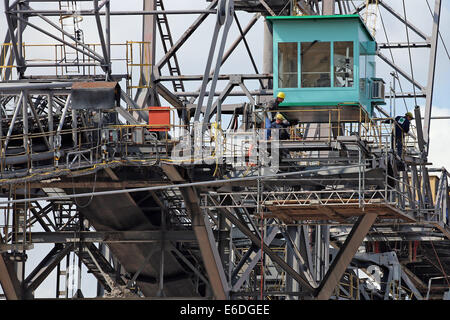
[
  {"x": 287, "y": 65},
  {"x": 343, "y": 64},
  {"x": 316, "y": 64}
]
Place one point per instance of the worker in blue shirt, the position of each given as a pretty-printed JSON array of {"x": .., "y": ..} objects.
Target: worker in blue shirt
[
  {"x": 272, "y": 106},
  {"x": 281, "y": 124},
  {"x": 401, "y": 128}
]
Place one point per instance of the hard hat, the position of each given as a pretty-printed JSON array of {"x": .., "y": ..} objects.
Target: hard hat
[
  {"x": 279, "y": 116},
  {"x": 281, "y": 95},
  {"x": 409, "y": 114}
]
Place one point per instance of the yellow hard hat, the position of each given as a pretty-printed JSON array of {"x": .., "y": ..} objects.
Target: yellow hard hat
[
  {"x": 409, "y": 114},
  {"x": 281, "y": 95},
  {"x": 279, "y": 116}
]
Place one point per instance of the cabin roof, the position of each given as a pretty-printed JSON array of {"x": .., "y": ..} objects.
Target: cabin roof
[{"x": 326, "y": 17}]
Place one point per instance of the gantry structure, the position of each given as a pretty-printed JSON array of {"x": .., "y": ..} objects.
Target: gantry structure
[{"x": 204, "y": 205}]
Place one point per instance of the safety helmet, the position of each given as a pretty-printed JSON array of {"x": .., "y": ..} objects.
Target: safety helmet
[
  {"x": 279, "y": 116},
  {"x": 281, "y": 95},
  {"x": 409, "y": 114}
]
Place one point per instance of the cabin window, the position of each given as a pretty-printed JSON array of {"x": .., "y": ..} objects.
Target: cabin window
[
  {"x": 343, "y": 63},
  {"x": 315, "y": 64},
  {"x": 287, "y": 65}
]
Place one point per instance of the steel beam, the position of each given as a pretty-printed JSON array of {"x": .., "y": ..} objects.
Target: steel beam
[
  {"x": 14, "y": 117},
  {"x": 185, "y": 36},
  {"x": 147, "y": 96},
  {"x": 402, "y": 45},
  {"x": 103, "y": 43},
  {"x": 268, "y": 240},
  {"x": 206, "y": 242},
  {"x": 45, "y": 267},
  {"x": 98, "y": 184},
  {"x": 113, "y": 236},
  {"x": 58, "y": 13},
  {"x": 227, "y": 54},
  {"x": 95, "y": 57},
  {"x": 431, "y": 73},
  {"x": 38, "y": 122},
  {"x": 267, "y": 7},
  {"x": 273, "y": 255},
  {"x": 345, "y": 256},
  {"x": 169, "y": 96},
  {"x": 78, "y": 43},
  {"x": 402, "y": 72},
  {"x": 399, "y": 17},
  {"x": 8, "y": 279},
  {"x": 20, "y": 62}
]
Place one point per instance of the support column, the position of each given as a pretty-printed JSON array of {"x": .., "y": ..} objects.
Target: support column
[
  {"x": 268, "y": 53},
  {"x": 8, "y": 280},
  {"x": 204, "y": 235},
  {"x": 148, "y": 97},
  {"x": 431, "y": 73},
  {"x": 50, "y": 119},
  {"x": 345, "y": 255},
  {"x": 291, "y": 285}
]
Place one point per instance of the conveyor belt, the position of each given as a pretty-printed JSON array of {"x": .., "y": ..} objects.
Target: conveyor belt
[{"x": 120, "y": 213}]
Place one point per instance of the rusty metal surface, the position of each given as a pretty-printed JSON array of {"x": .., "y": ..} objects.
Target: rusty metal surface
[{"x": 100, "y": 95}]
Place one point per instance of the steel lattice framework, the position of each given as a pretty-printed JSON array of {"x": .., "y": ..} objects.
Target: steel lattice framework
[{"x": 107, "y": 193}]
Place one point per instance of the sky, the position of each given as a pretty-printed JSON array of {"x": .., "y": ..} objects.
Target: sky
[{"x": 192, "y": 59}]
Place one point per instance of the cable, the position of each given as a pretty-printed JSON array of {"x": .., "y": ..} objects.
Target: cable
[{"x": 92, "y": 195}]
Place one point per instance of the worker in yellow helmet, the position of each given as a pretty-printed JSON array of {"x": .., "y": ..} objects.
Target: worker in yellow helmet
[
  {"x": 273, "y": 105},
  {"x": 279, "y": 99},
  {"x": 281, "y": 124}
]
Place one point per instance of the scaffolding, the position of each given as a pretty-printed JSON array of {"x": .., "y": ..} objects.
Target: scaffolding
[{"x": 211, "y": 205}]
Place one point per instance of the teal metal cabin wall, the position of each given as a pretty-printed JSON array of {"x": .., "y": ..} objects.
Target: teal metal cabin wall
[
  {"x": 308, "y": 29},
  {"x": 367, "y": 51}
]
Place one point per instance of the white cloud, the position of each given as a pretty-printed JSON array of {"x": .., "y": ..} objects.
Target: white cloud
[{"x": 439, "y": 153}]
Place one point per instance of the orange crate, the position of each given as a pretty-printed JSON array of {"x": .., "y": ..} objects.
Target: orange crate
[{"x": 159, "y": 118}]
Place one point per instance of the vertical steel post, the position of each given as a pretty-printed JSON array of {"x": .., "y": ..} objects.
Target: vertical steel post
[
  {"x": 268, "y": 53},
  {"x": 431, "y": 73},
  {"x": 147, "y": 96},
  {"x": 50, "y": 119},
  {"x": 108, "y": 31},
  {"x": 19, "y": 32},
  {"x": 25, "y": 124},
  {"x": 74, "y": 128},
  {"x": 163, "y": 248},
  {"x": 12, "y": 37},
  {"x": 106, "y": 58}
]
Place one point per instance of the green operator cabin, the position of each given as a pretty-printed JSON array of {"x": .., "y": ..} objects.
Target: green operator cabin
[{"x": 325, "y": 61}]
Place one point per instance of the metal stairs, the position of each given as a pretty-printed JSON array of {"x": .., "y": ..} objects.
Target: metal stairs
[{"x": 167, "y": 43}]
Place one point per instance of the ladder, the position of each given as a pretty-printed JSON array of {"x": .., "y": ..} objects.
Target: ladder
[
  {"x": 70, "y": 23},
  {"x": 66, "y": 216},
  {"x": 100, "y": 268},
  {"x": 167, "y": 42},
  {"x": 62, "y": 277}
]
